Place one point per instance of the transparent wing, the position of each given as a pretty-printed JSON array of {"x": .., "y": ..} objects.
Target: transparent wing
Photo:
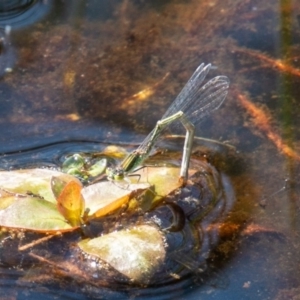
[
  {"x": 204, "y": 101},
  {"x": 195, "y": 100},
  {"x": 189, "y": 91}
]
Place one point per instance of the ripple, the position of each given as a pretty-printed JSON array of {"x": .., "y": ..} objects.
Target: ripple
[{"x": 21, "y": 13}]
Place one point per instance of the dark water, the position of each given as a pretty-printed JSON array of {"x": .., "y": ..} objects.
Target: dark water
[{"x": 69, "y": 70}]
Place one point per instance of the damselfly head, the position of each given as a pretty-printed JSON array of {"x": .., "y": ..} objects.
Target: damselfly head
[{"x": 115, "y": 173}]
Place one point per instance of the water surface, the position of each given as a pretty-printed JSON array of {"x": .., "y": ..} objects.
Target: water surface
[{"x": 70, "y": 70}]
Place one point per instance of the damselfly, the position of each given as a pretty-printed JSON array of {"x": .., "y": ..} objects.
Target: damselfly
[{"x": 194, "y": 102}]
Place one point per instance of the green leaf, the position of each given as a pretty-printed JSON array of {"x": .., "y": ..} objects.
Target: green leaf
[
  {"x": 98, "y": 168},
  {"x": 76, "y": 161},
  {"x": 33, "y": 213},
  {"x": 27, "y": 200},
  {"x": 35, "y": 181}
]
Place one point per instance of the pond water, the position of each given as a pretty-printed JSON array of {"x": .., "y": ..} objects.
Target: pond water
[{"x": 81, "y": 75}]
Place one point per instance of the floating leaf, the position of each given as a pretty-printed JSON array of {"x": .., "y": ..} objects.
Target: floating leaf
[
  {"x": 70, "y": 202},
  {"x": 33, "y": 213},
  {"x": 98, "y": 168},
  {"x": 115, "y": 151},
  {"x": 152, "y": 184},
  {"x": 74, "y": 162},
  {"x": 27, "y": 200},
  {"x": 105, "y": 197},
  {"x": 136, "y": 252},
  {"x": 35, "y": 181},
  {"x": 84, "y": 165},
  {"x": 164, "y": 179}
]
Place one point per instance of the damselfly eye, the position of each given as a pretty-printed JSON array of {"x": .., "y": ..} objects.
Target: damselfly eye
[{"x": 118, "y": 174}]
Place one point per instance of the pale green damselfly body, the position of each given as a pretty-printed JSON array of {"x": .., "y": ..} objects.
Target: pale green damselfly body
[{"x": 194, "y": 102}]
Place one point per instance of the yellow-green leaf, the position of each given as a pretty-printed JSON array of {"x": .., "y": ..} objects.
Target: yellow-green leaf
[
  {"x": 32, "y": 213},
  {"x": 164, "y": 179},
  {"x": 136, "y": 252}
]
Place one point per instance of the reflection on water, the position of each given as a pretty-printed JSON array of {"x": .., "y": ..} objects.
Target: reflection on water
[
  {"x": 77, "y": 72},
  {"x": 7, "y": 52}
]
